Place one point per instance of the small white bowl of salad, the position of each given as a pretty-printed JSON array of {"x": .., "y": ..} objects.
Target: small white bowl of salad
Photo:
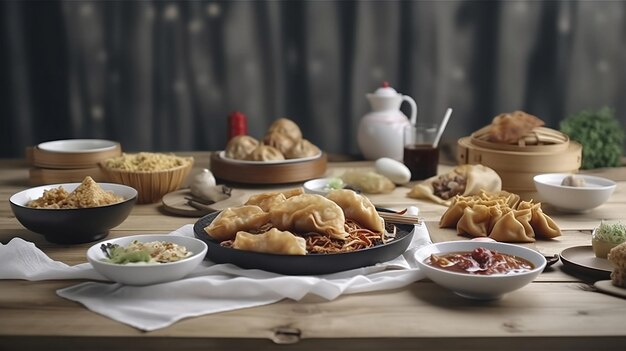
[
  {"x": 147, "y": 259},
  {"x": 322, "y": 186}
]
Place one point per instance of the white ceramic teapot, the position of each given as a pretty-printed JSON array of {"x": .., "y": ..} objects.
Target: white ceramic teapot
[{"x": 381, "y": 131}]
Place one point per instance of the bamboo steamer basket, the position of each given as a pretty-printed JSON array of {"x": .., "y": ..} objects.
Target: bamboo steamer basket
[{"x": 543, "y": 150}]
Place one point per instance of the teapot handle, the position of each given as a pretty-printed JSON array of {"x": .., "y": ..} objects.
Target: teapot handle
[{"x": 411, "y": 102}]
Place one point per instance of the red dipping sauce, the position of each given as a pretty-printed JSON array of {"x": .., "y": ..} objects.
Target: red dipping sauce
[{"x": 480, "y": 261}]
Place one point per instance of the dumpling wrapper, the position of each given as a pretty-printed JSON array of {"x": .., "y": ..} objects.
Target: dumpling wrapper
[
  {"x": 478, "y": 178},
  {"x": 509, "y": 229},
  {"x": 543, "y": 225},
  {"x": 281, "y": 142},
  {"x": 267, "y": 201},
  {"x": 453, "y": 214},
  {"x": 310, "y": 213},
  {"x": 234, "y": 219},
  {"x": 302, "y": 148},
  {"x": 240, "y": 146},
  {"x": 265, "y": 153},
  {"x": 475, "y": 221},
  {"x": 358, "y": 208},
  {"x": 287, "y": 127},
  {"x": 368, "y": 182},
  {"x": 273, "y": 241}
]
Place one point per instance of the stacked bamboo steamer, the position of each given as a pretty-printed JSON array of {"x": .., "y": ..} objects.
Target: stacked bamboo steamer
[
  {"x": 69, "y": 161},
  {"x": 542, "y": 150}
]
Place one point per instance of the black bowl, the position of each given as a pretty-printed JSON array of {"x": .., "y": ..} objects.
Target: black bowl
[
  {"x": 311, "y": 264},
  {"x": 72, "y": 226}
]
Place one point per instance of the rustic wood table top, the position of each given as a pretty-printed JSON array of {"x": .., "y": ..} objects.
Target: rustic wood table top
[{"x": 560, "y": 310}]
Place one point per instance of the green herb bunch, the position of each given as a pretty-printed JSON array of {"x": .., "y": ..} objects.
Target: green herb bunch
[{"x": 600, "y": 134}]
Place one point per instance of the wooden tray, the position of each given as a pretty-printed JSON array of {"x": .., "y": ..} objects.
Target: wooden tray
[
  {"x": 40, "y": 176},
  {"x": 275, "y": 173},
  {"x": 176, "y": 203},
  {"x": 71, "y": 160}
]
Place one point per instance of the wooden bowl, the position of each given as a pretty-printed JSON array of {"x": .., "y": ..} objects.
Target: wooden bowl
[
  {"x": 290, "y": 171},
  {"x": 151, "y": 185}
]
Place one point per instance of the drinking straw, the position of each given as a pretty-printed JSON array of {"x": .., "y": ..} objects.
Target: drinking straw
[{"x": 446, "y": 118}]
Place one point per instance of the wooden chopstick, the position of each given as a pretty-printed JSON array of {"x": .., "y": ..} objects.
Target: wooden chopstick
[{"x": 399, "y": 218}]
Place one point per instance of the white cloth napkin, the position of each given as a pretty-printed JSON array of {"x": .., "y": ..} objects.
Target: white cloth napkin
[{"x": 210, "y": 288}]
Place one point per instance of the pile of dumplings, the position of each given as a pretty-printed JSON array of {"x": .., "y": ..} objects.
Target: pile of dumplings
[
  {"x": 283, "y": 140},
  {"x": 500, "y": 216},
  {"x": 267, "y": 222}
]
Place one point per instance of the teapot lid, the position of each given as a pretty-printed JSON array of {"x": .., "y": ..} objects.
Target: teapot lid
[{"x": 386, "y": 90}]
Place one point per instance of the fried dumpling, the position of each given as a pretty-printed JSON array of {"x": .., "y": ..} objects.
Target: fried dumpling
[
  {"x": 310, "y": 213},
  {"x": 302, "y": 148},
  {"x": 240, "y": 146},
  {"x": 509, "y": 128},
  {"x": 475, "y": 221},
  {"x": 231, "y": 220},
  {"x": 265, "y": 153},
  {"x": 358, "y": 208},
  {"x": 287, "y": 127},
  {"x": 509, "y": 229},
  {"x": 543, "y": 225},
  {"x": 281, "y": 142},
  {"x": 463, "y": 180},
  {"x": 273, "y": 241},
  {"x": 451, "y": 217},
  {"x": 368, "y": 182},
  {"x": 267, "y": 201}
]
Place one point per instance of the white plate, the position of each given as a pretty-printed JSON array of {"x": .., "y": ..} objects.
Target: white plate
[
  {"x": 78, "y": 145},
  {"x": 222, "y": 155}
]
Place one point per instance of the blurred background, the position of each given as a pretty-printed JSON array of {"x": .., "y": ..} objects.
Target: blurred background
[{"x": 164, "y": 75}]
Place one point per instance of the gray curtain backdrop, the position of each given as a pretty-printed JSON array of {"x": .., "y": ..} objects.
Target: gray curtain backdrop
[{"x": 164, "y": 75}]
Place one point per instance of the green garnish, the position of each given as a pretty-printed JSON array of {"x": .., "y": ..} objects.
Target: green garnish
[
  {"x": 119, "y": 255},
  {"x": 612, "y": 233},
  {"x": 335, "y": 183}
]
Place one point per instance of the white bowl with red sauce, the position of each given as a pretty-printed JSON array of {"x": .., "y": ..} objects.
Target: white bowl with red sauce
[{"x": 479, "y": 285}]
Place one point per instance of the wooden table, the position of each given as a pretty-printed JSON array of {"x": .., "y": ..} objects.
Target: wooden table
[{"x": 557, "y": 311}]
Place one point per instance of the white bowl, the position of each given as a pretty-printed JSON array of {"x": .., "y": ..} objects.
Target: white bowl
[
  {"x": 318, "y": 186},
  {"x": 480, "y": 287},
  {"x": 146, "y": 274},
  {"x": 596, "y": 191},
  {"x": 78, "y": 145}
]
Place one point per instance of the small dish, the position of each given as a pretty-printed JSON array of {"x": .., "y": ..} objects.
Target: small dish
[
  {"x": 608, "y": 287},
  {"x": 147, "y": 274},
  {"x": 480, "y": 287},
  {"x": 565, "y": 198},
  {"x": 322, "y": 186},
  {"x": 78, "y": 145},
  {"x": 582, "y": 259},
  {"x": 178, "y": 203},
  {"x": 76, "y": 225}
]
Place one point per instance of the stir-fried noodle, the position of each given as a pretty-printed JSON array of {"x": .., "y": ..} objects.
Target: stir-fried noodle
[{"x": 358, "y": 238}]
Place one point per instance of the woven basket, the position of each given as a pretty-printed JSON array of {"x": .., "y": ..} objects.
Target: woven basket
[{"x": 150, "y": 185}]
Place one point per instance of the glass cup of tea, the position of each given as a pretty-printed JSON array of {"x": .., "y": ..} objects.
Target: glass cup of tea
[{"x": 419, "y": 154}]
